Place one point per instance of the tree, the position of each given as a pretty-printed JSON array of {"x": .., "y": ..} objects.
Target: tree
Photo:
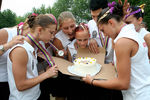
[
  {"x": 7, "y": 19},
  {"x": 81, "y": 10}
]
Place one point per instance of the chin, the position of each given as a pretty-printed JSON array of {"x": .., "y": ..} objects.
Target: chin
[{"x": 82, "y": 47}]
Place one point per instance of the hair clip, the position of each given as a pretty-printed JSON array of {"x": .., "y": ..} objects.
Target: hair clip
[
  {"x": 34, "y": 14},
  {"x": 53, "y": 17},
  {"x": 142, "y": 7},
  {"x": 111, "y": 4}
]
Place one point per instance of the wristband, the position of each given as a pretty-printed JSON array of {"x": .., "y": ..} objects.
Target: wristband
[{"x": 92, "y": 82}]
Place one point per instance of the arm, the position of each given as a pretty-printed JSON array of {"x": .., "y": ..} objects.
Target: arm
[
  {"x": 126, "y": 5},
  {"x": 147, "y": 40},
  {"x": 93, "y": 46},
  {"x": 123, "y": 49},
  {"x": 59, "y": 46},
  {"x": 69, "y": 56},
  {"x": 8, "y": 45},
  {"x": 19, "y": 60}
]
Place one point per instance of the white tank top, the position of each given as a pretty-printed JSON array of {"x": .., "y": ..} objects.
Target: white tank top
[
  {"x": 143, "y": 32},
  {"x": 29, "y": 94},
  {"x": 63, "y": 38},
  {"x": 140, "y": 68},
  {"x": 94, "y": 33},
  {"x": 3, "y": 58}
]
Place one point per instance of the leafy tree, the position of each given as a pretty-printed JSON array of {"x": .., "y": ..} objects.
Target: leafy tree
[
  {"x": 60, "y": 6},
  {"x": 7, "y": 19},
  {"x": 81, "y": 11}
]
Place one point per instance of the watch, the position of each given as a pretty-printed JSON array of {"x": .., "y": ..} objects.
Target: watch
[{"x": 2, "y": 48}]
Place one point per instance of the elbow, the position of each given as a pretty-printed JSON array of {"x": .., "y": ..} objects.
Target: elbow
[
  {"x": 124, "y": 86},
  {"x": 20, "y": 87}
]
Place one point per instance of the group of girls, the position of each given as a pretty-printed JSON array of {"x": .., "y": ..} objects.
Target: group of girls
[{"x": 21, "y": 45}]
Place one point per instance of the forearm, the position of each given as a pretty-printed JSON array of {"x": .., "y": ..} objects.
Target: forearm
[
  {"x": 29, "y": 83},
  {"x": 111, "y": 84}
]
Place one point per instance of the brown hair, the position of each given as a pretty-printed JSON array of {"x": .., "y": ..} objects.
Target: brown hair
[{"x": 40, "y": 20}]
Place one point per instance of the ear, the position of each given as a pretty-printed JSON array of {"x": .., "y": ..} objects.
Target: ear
[
  {"x": 140, "y": 20},
  {"x": 39, "y": 29},
  {"x": 111, "y": 22}
]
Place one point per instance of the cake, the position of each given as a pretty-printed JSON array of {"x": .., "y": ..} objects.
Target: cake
[{"x": 85, "y": 65}]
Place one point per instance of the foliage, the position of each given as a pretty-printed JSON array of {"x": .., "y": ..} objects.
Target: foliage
[
  {"x": 79, "y": 8},
  {"x": 7, "y": 19}
]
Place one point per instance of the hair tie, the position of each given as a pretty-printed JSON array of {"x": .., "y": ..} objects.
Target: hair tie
[
  {"x": 111, "y": 6},
  {"x": 142, "y": 7},
  {"x": 53, "y": 17},
  {"x": 20, "y": 24},
  {"x": 34, "y": 14}
]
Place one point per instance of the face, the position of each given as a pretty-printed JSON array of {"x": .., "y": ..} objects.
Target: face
[
  {"x": 82, "y": 38},
  {"x": 48, "y": 33},
  {"x": 133, "y": 20},
  {"x": 95, "y": 14},
  {"x": 68, "y": 27},
  {"x": 107, "y": 29}
]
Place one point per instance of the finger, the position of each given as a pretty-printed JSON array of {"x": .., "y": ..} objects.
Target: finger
[
  {"x": 96, "y": 48},
  {"x": 125, "y": 3},
  {"x": 90, "y": 48},
  {"x": 120, "y": 2}
]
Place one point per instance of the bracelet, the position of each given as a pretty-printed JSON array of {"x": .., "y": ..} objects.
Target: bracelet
[{"x": 92, "y": 82}]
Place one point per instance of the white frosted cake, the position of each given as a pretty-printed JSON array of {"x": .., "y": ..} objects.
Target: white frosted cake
[{"x": 85, "y": 65}]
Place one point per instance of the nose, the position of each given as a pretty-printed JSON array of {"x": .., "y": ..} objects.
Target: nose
[{"x": 70, "y": 30}]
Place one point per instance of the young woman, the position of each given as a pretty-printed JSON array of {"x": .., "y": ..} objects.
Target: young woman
[
  {"x": 8, "y": 38},
  {"x": 81, "y": 40},
  {"x": 21, "y": 63},
  {"x": 67, "y": 24},
  {"x": 135, "y": 16},
  {"x": 131, "y": 55}
]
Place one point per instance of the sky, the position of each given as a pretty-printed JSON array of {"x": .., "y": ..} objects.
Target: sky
[{"x": 21, "y": 7}]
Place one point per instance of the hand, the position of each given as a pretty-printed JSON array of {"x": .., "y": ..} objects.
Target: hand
[
  {"x": 88, "y": 79},
  {"x": 16, "y": 40},
  {"x": 93, "y": 46},
  {"x": 126, "y": 5},
  {"x": 50, "y": 72}
]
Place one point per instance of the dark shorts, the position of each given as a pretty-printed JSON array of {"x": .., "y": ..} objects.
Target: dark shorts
[{"x": 4, "y": 91}]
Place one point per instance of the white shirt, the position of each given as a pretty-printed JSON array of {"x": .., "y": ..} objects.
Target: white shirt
[
  {"x": 63, "y": 38},
  {"x": 94, "y": 33},
  {"x": 143, "y": 32},
  {"x": 3, "y": 58},
  {"x": 29, "y": 94},
  {"x": 140, "y": 68}
]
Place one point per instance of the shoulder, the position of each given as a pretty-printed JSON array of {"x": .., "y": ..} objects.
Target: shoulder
[
  {"x": 124, "y": 45},
  {"x": 3, "y": 35},
  {"x": 58, "y": 34},
  {"x": 18, "y": 53},
  {"x": 91, "y": 22}
]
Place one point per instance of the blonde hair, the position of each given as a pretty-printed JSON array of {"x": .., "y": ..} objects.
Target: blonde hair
[{"x": 65, "y": 15}]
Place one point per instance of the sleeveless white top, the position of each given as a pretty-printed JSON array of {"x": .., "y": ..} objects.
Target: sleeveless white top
[
  {"x": 143, "y": 32},
  {"x": 94, "y": 33},
  {"x": 29, "y": 94},
  {"x": 140, "y": 68},
  {"x": 63, "y": 38},
  {"x": 3, "y": 58}
]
